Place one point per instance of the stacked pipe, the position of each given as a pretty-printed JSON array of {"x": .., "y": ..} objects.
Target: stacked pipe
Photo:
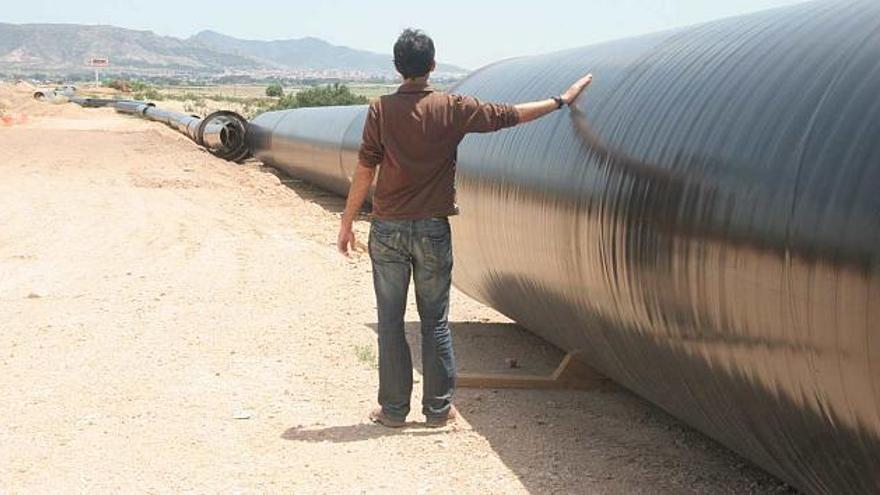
[
  {"x": 703, "y": 226},
  {"x": 55, "y": 94}
]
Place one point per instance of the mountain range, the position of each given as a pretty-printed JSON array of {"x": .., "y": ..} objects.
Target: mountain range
[{"x": 59, "y": 48}]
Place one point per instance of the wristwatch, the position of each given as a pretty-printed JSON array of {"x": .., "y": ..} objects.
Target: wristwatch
[{"x": 559, "y": 101}]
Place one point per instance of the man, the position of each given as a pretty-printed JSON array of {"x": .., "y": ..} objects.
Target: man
[{"x": 414, "y": 134}]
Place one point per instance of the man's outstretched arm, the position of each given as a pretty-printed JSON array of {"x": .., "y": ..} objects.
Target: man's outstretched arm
[
  {"x": 357, "y": 194},
  {"x": 537, "y": 109},
  {"x": 471, "y": 115}
]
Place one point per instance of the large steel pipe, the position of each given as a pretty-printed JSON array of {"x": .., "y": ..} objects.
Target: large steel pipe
[
  {"x": 308, "y": 143},
  {"x": 704, "y": 225}
]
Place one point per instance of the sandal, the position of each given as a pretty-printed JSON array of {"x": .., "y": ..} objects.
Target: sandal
[
  {"x": 440, "y": 422},
  {"x": 378, "y": 416}
]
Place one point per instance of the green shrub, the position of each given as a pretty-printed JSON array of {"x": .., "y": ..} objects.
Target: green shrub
[
  {"x": 275, "y": 90},
  {"x": 149, "y": 94},
  {"x": 118, "y": 85},
  {"x": 137, "y": 86},
  {"x": 126, "y": 86},
  {"x": 322, "y": 96}
]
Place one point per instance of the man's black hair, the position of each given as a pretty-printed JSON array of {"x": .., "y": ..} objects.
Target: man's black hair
[{"x": 413, "y": 53}]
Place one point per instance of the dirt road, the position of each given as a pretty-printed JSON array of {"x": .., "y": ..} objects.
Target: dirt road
[{"x": 172, "y": 323}]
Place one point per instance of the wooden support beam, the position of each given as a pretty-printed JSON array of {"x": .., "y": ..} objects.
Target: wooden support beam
[{"x": 570, "y": 374}]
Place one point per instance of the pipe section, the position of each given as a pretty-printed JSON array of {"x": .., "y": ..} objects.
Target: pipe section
[
  {"x": 88, "y": 102},
  {"x": 307, "y": 143},
  {"x": 223, "y": 133},
  {"x": 703, "y": 225},
  {"x": 54, "y": 94}
]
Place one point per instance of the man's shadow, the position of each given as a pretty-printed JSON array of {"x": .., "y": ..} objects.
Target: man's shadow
[{"x": 353, "y": 433}]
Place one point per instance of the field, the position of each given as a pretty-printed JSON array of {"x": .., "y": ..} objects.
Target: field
[
  {"x": 246, "y": 99},
  {"x": 258, "y": 91}
]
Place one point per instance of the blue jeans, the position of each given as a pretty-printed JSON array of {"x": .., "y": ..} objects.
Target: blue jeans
[{"x": 421, "y": 249}]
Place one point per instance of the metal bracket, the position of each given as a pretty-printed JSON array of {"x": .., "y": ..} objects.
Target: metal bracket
[{"x": 571, "y": 374}]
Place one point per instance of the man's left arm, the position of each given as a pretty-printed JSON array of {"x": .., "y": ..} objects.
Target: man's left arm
[
  {"x": 370, "y": 156},
  {"x": 360, "y": 187}
]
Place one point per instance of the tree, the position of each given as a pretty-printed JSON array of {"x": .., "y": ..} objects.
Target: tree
[{"x": 275, "y": 90}]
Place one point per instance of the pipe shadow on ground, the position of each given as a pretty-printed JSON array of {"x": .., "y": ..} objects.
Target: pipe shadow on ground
[
  {"x": 330, "y": 202},
  {"x": 570, "y": 441}
]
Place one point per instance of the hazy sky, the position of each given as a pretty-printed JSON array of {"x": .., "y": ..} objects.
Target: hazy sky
[{"x": 469, "y": 33}]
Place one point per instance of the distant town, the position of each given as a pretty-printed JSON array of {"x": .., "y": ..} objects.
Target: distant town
[{"x": 62, "y": 52}]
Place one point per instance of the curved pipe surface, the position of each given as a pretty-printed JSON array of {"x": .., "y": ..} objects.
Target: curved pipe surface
[
  {"x": 703, "y": 226},
  {"x": 307, "y": 143},
  {"x": 225, "y": 134}
]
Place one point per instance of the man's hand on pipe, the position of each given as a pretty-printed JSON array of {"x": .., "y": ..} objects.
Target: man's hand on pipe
[{"x": 576, "y": 89}]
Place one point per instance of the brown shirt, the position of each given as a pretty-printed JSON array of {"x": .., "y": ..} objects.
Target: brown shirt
[{"x": 414, "y": 134}]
